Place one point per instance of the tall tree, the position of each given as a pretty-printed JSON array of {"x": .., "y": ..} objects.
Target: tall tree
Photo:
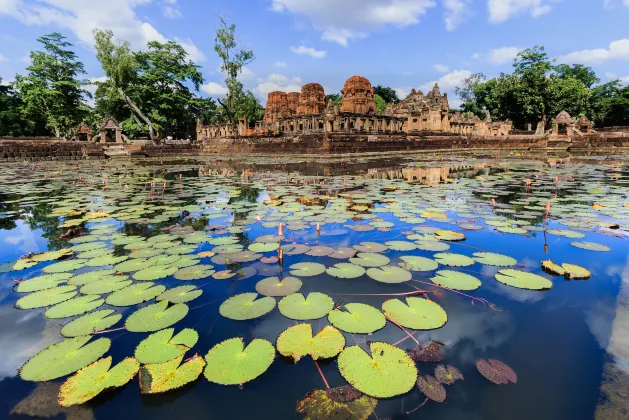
[
  {"x": 11, "y": 122},
  {"x": 387, "y": 94},
  {"x": 121, "y": 68},
  {"x": 233, "y": 60},
  {"x": 51, "y": 89},
  {"x": 470, "y": 94},
  {"x": 584, "y": 74}
]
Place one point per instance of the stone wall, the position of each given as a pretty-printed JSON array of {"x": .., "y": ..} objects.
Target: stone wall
[{"x": 39, "y": 149}]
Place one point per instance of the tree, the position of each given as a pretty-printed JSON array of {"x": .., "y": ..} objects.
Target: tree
[
  {"x": 11, "y": 123},
  {"x": 609, "y": 105},
  {"x": 233, "y": 60},
  {"x": 335, "y": 98},
  {"x": 469, "y": 92},
  {"x": 381, "y": 105},
  {"x": 121, "y": 67},
  {"x": 51, "y": 89},
  {"x": 585, "y": 74},
  {"x": 387, "y": 94}
]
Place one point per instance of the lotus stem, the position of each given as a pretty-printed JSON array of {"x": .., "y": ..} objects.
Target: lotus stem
[
  {"x": 418, "y": 407},
  {"x": 108, "y": 331},
  {"x": 321, "y": 373},
  {"x": 208, "y": 303},
  {"x": 417, "y": 292},
  {"x": 404, "y": 339},
  {"x": 403, "y": 329},
  {"x": 483, "y": 301}
]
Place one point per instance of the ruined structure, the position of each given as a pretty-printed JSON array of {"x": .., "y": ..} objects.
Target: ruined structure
[
  {"x": 293, "y": 102},
  {"x": 358, "y": 96},
  {"x": 110, "y": 125},
  {"x": 276, "y": 107},
  {"x": 311, "y": 100},
  {"x": 82, "y": 133}
]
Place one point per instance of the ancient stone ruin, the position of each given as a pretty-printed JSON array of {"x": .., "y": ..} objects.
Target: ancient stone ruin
[
  {"x": 312, "y": 100},
  {"x": 82, "y": 133},
  {"x": 110, "y": 132},
  {"x": 358, "y": 96}
]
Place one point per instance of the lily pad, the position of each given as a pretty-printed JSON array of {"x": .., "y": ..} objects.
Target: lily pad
[
  {"x": 47, "y": 281},
  {"x": 343, "y": 253},
  {"x": 346, "y": 271},
  {"x": 432, "y": 245},
  {"x": 64, "y": 266},
  {"x": 64, "y": 358},
  {"x": 370, "y": 247},
  {"x": 194, "y": 272},
  {"x": 263, "y": 247},
  {"x": 156, "y": 317},
  {"x": 496, "y": 372},
  {"x": 414, "y": 263},
  {"x": 448, "y": 375},
  {"x": 273, "y": 286},
  {"x": 416, "y": 313},
  {"x": 456, "y": 280},
  {"x": 389, "y": 274},
  {"x": 181, "y": 294},
  {"x": 320, "y": 404},
  {"x": 523, "y": 280},
  {"x": 388, "y": 372},
  {"x": 497, "y": 260},
  {"x": 368, "y": 259},
  {"x": 448, "y": 235},
  {"x": 307, "y": 269},
  {"x": 73, "y": 307},
  {"x": 552, "y": 268},
  {"x": 575, "y": 272},
  {"x": 230, "y": 363},
  {"x": 106, "y": 285},
  {"x": 91, "y": 323},
  {"x": 155, "y": 272},
  {"x": 297, "y": 307},
  {"x": 401, "y": 245},
  {"x": 431, "y": 388},
  {"x": 46, "y": 297},
  {"x": 161, "y": 346},
  {"x": 453, "y": 260},
  {"x": 591, "y": 246},
  {"x": 358, "y": 318},
  {"x": 135, "y": 294},
  {"x": 133, "y": 264},
  {"x": 246, "y": 306},
  {"x": 162, "y": 377},
  {"x": 297, "y": 341}
]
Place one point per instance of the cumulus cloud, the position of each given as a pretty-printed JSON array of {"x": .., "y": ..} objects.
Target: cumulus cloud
[
  {"x": 170, "y": 10},
  {"x": 498, "y": 56},
  {"x": 312, "y": 52},
  {"x": 214, "y": 89},
  {"x": 448, "y": 82},
  {"x": 342, "y": 21},
  {"x": 280, "y": 64},
  {"x": 502, "y": 10},
  {"x": 274, "y": 82},
  {"x": 456, "y": 12},
  {"x": 617, "y": 50},
  {"x": 194, "y": 53}
]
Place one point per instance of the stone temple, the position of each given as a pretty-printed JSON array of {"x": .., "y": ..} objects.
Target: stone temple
[{"x": 307, "y": 113}]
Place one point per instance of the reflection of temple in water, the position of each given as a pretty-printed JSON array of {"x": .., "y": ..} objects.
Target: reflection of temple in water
[{"x": 429, "y": 176}]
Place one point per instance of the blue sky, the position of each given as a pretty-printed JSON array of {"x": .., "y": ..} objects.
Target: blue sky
[{"x": 403, "y": 44}]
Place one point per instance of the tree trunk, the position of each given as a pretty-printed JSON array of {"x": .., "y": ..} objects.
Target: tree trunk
[
  {"x": 230, "y": 116},
  {"x": 135, "y": 108}
]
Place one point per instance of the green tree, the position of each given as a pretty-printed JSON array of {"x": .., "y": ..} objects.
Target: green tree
[
  {"x": 471, "y": 93},
  {"x": 387, "y": 94},
  {"x": 335, "y": 98},
  {"x": 11, "y": 122},
  {"x": 51, "y": 89},
  {"x": 121, "y": 68},
  {"x": 585, "y": 74},
  {"x": 233, "y": 60},
  {"x": 609, "y": 105},
  {"x": 381, "y": 104}
]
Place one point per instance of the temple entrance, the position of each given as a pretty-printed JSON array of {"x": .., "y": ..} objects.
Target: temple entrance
[
  {"x": 82, "y": 133},
  {"x": 110, "y": 132},
  {"x": 562, "y": 129}
]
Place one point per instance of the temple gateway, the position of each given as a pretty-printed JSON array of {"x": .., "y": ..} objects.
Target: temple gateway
[{"x": 308, "y": 113}]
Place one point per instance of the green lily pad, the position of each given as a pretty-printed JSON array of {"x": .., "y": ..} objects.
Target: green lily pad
[
  {"x": 194, "y": 272},
  {"x": 156, "y": 317},
  {"x": 434, "y": 246},
  {"x": 456, "y": 280},
  {"x": 273, "y": 286},
  {"x": 416, "y": 313},
  {"x": 388, "y": 372},
  {"x": 497, "y": 260},
  {"x": 454, "y": 260},
  {"x": 51, "y": 255},
  {"x": 46, "y": 297},
  {"x": 246, "y": 306},
  {"x": 591, "y": 246},
  {"x": 135, "y": 294},
  {"x": 358, "y": 318},
  {"x": 401, "y": 245},
  {"x": 342, "y": 403},
  {"x": 91, "y": 323},
  {"x": 370, "y": 247},
  {"x": 181, "y": 294},
  {"x": 155, "y": 272},
  {"x": 297, "y": 307},
  {"x": 161, "y": 346},
  {"x": 230, "y": 363},
  {"x": 413, "y": 263},
  {"x": 90, "y": 276},
  {"x": 346, "y": 271},
  {"x": 133, "y": 264},
  {"x": 523, "y": 280},
  {"x": 308, "y": 269},
  {"x": 64, "y": 266},
  {"x": 513, "y": 230},
  {"x": 566, "y": 233},
  {"x": 93, "y": 379},
  {"x": 105, "y": 261},
  {"x": 367, "y": 259},
  {"x": 64, "y": 358},
  {"x": 389, "y": 274},
  {"x": 297, "y": 341},
  {"x": 106, "y": 285},
  {"x": 162, "y": 377},
  {"x": 263, "y": 247},
  {"x": 73, "y": 307},
  {"x": 47, "y": 281}
]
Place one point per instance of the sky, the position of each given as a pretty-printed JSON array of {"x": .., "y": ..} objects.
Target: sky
[{"x": 402, "y": 44}]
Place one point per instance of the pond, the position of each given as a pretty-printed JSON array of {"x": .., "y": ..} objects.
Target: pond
[{"x": 448, "y": 287}]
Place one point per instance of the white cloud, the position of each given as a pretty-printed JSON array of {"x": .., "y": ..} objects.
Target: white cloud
[
  {"x": 456, "y": 12},
  {"x": 194, "y": 53},
  {"x": 442, "y": 68},
  {"x": 610, "y": 76},
  {"x": 447, "y": 82},
  {"x": 342, "y": 21},
  {"x": 246, "y": 75},
  {"x": 214, "y": 89},
  {"x": 617, "y": 50},
  {"x": 402, "y": 92},
  {"x": 498, "y": 56},
  {"x": 624, "y": 80},
  {"x": 274, "y": 82},
  {"x": 280, "y": 64},
  {"x": 312, "y": 52},
  {"x": 502, "y": 10},
  {"x": 612, "y": 3},
  {"x": 170, "y": 10}
]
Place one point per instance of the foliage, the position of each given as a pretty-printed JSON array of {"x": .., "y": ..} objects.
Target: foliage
[
  {"x": 389, "y": 274},
  {"x": 73, "y": 307},
  {"x": 358, "y": 318},
  {"x": 431, "y": 388},
  {"x": 156, "y": 317},
  {"x": 447, "y": 374},
  {"x": 320, "y": 404},
  {"x": 387, "y": 94},
  {"x": 273, "y": 286},
  {"x": 496, "y": 372},
  {"x": 181, "y": 294},
  {"x": 246, "y": 306},
  {"x": 46, "y": 297},
  {"x": 91, "y": 323},
  {"x": 297, "y": 307},
  {"x": 381, "y": 104},
  {"x": 135, "y": 294},
  {"x": 162, "y": 377},
  {"x": 230, "y": 363},
  {"x": 297, "y": 341},
  {"x": 523, "y": 280},
  {"x": 161, "y": 347},
  {"x": 456, "y": 280},
  {"x": 416, "y": 313},
  {"x": 12, "y": 123}
]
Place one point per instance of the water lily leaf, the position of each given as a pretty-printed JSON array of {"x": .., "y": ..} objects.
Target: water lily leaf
[
  {"x": 148, "y": 253},
  {"x": 194, "y": 272},
  {"x": 513, "y": 230},
  {"x": 370, "y": 247},
  {"x": 295, "y": 249},
  {"x": 497, "y": 260},
  {"x": 181, "y": 249},
  {"x": 51, "y": 255},
  {"x": 401, "y": 245},
  {"x": 566, "y": 233},
  {"x": 416, "y": 313},
  {"x": 456, "y": 280},
  {"x": 320, "y": 251},
  {"x": 156, "y": 317},
  {"x": 162, "y": 377},
  {"x": 448, "y": 375},
  {"x": 367, "y": 259},
  {"x": 161, "y": 347},
  {"x": 430, "y": 245},
  {"x": 553, "y": 268},
  {"x": 352, "y": 405},
  {"x": 223, "y": 275},
  {"x": 181, "y": 294},
  {"x": 388, "y": 372},
  {"x": 64, "y": 266},
  {"x": 135, "y": 294},
  {"x": 389, "y": 274},
  {"x": 591, "y": 246},
  {"x": 47, "y": 281},
  {"x": 230, "y": 363},
  {"x": 418, "y": 263},
  {"x": 88, "y": 246},
  {"x": 448, "y": 235},
  {"x": 46, "y": 297},
  {"x": 453, "y": 260},
  {"x": 343, "y": 253},
  {"x": 246, "y": 306},
  {"x": 106, "y": 285},
  {"x": 429, "y": 352},
  {"x": 155, "y": 272},
  {"x": 522, "y": 279},
  {"x": 164, "y": 259},
  {"x": 297, "y": 341},
  {"x": 91, "y": 323},
  {"x": 496, "y": 372},
  {"x": 346, "y": 271},
  {"x": 73, "y": 307},
  {"x": 308, "y": 269},
  {"x": 263, "y": 247},
  {"x": 105, "y": 261},
  {"x": 96, "y": 378},
  {"x": 358, "y": 318},
  {"x": 315, "y": 306},
  {"x": 273, "y": 286},
  {"x": 431, "y": 388},
  {"x": 133, "y": 264},
  {"x": 575, "y": 272},
  {"x": 63, "y": 358}
]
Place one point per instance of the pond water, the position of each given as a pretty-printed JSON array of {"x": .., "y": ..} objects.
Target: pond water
[{"x": 213, "y": 224}]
